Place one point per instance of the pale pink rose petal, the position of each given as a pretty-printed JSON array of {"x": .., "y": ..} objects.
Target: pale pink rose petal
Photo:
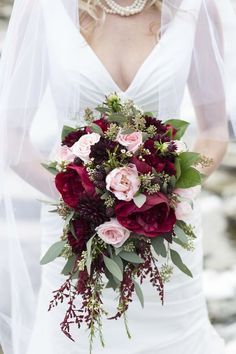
[
  {"x": 131, "y": 141},
  {"x": 63, "y": 153},
  {"x": 184, "y": 210},
  {"x": 124, "y": 182},
  {"x": 113, "y": 233},
  {"x": 82, "y": 147}
]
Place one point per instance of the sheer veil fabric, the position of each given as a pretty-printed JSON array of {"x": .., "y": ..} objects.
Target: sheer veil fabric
[{"x": 41, "y": 58}]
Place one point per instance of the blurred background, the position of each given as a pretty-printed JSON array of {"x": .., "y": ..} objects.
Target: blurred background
[{"x": 218, "y": 202}]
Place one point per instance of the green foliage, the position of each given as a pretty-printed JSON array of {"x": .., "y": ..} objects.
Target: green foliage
[
  {"x": 180, "y": 125},
  {"x": 68, "y": 269},
  {"x": 53, "y": 252},
  {"x": 139, "y": 292},
  {"x": 50, "y": 167},
  {"x": 176, "y": 259},
  {"x": 113, "y": 267},
  {"x": 180, "y": 234},
  {"x": 66, "y": 130},
  {"x": 189, "y": 178},
  {"x": 96, "y": 129},
  {"x": 89, "y": 254},
  {"x": 159, "y": 246},
  {"x": 131, "y": 257}
]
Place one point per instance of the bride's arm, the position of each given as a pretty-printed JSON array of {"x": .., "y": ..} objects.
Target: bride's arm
[
  {"x": 209, "y": 146},
  {"x": 28, "y": 166},
  {"x": 206, "y": 86}
]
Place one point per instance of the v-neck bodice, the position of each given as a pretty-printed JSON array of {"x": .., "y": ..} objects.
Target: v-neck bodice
[{"x": 155, "y": 75}]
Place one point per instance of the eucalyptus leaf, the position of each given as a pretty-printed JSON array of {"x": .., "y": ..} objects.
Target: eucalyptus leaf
[
  {"x": 131, "y": 257},
  {"x": 159, "y": 246},
  {"x": 189, "y": 178},
  {"x": 139, "y": 199},
  {"x": 89, "y": 254},
  {"x": 176, "y": 259},
  {"x": 113, "y": 282},
  {"x": 53, "y": 252},
  {"x": 139, "y": 292},
  {"x": 119, "y": 262},
  {"x": 113, "y": 267},
  {"x": 118, "y": 250},
  {"x": 66, "y": 130},
  {"x": 50, "y": 168},
  {"x": 96, "y": 129},
  {"x": 117, "y": 118},
  {"x": 180, "y": 234},
  {"x": 102, "y": 109},
  {"x": 69, "y": 266}
]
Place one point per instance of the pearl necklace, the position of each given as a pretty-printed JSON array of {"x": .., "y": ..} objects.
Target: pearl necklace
[{"x": 113, "y": 8}]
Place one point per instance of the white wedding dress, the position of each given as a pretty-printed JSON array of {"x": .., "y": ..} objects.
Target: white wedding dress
[{"x": 182, "y": 325}]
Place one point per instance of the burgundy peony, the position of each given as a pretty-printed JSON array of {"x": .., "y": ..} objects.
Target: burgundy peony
[
  {"x": 78, "y": 239},
  {"x": 154, "y": 218},
  {"x": 73, "y": 137},
  {"x": 72, "y": 183}
]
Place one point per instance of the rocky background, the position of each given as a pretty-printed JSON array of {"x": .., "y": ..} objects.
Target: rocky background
[{"x": 218, "y": 202}]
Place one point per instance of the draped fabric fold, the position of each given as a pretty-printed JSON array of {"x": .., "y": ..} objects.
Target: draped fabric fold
[{"x": 41, "y": 60}]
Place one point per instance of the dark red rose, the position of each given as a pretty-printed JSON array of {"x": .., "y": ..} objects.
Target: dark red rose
[
  {"x": 81, "y": 235},
  {"x": 141, "y": 166},
  {"x": 73, "y": 137},
  {"x": 102, "y": 123},
  {"x": 72, "y": 183},
  {"x": 154, "y": 218}
]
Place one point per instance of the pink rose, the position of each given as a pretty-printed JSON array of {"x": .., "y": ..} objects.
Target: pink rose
[
  {"x": 184, "y": 209},
  {"x": 63, "y": 153},
  {"x": 113, "y": 232},
  {"x": 131, "y": 141},
  {"x": 82, "y": 147},
  {"x": 124, "y": 182}
]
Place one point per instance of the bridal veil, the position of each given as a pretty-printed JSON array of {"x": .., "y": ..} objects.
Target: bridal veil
[{"x": 41, "y": 59}]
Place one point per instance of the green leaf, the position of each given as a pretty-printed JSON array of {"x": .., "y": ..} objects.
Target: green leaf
[
  {"x": 176, "y": 259},
  {"x": 113, "y": 282},
  {"x": 69, "y": 266},
  {"x": 50, "y": 168},
  {"x": 117, "y": 118},
  {"x": 89, "y": 254},
  {"x": 66, "y": 130},
  {"x": 118, "y": 250},
  {"x": 159, "y": 246},
  {"x": 131, "y": 257},
  {"x": 128, "y": 131},
  {"x": 150, "y": 114},
  {"x": 119, "y": 262},
  {"x": 178, "y": 168},
  {"x": 102, "y": 109},
  {"x": 53, "y": 252},
  {"x": 113, "y": 267},
  {"x": 180, "y": 234},
  {"x": 180, "y": 125},
  {"x": 189, "y": 178},
  {"x": 187, "y": 159},
  {"x": 139, "y": 292},
  {"x": 139, "y": 199},
  {"x": 96, "y": 129}
]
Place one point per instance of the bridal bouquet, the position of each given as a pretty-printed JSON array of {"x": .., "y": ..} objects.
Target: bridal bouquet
[{"x": 126, "y": 182}]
